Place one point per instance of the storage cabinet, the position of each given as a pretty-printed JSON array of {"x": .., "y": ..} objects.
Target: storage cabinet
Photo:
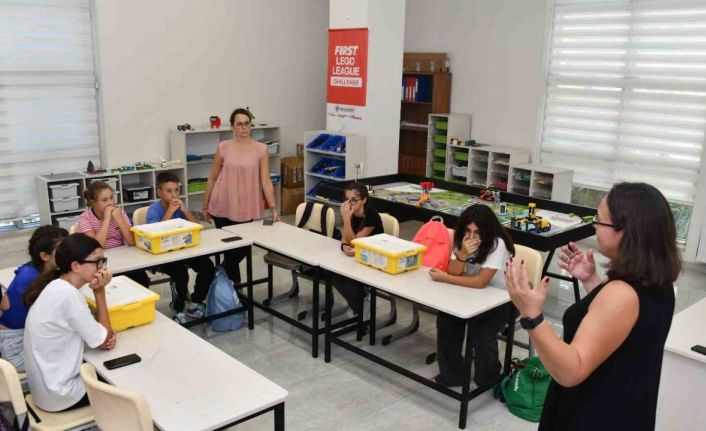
[
  {"x": 325, "y": 159},
  {"x": 542, "y": 182},
  {"x": 446, "y": 161},
  {"x": 196, "y": 148}
]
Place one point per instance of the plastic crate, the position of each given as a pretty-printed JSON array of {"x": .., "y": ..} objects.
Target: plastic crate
[
  {"x": 67, "y": 221},
  {"x": 196, "y": 185},
  {"x": 111, "y": 181},
  {"x": 137, "y": 192},
  {"x": 440, "y": 139},
  {"x": 440, "y": 152},
  {"x": 167, "y": 235},
  {"x": 65, "y": 190},
  {"x": 273, "y": 148},
  {"x": 388, "y": 253},
  {"x": 335, "y": 168},
  {"x": 317, "y": 141},
  {"x": 64, "y": 204},
  {"x": 129, "y": 304},
  {"x": 459, "y": 171},
  {"x": 461, "y": 156},
  {"x": 275, "y": 178},
  {"x": 438, "y": 166},
  {"x": 441, "y": 125}
]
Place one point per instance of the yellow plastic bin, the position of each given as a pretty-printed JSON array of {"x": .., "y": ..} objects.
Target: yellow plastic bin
[
  {"x": 129, "y": 304},
  {"x": 388, "y": 253},
  {"x": 167, "y": 235}
]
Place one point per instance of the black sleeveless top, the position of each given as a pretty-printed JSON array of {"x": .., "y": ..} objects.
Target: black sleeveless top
[{"x": 621, "y": 394}]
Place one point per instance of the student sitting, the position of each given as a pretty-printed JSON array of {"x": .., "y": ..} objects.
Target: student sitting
[
  {"x": 42, "y": 245},
  {"x": 481, "y": 248},
  {"x": 107, "y": 223},
  {"x": 168, "y": 207},
  {"x": 359, "y": 221},
  {"x": 59, "y": 323}
]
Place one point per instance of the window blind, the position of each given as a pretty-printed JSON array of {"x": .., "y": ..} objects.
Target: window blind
[
  {"x": 48, "y": 105},
  {"x": 626, "y": 93}
]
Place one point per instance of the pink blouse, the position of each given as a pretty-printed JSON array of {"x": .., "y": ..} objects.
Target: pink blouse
[
  {"x": 88, "y": 221},
  {"x": 237, "y": 193}
]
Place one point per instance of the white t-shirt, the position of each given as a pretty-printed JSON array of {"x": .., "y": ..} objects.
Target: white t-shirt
[
  {"x": 495, "y": 260},
  {"x": 57, "y": 325}
]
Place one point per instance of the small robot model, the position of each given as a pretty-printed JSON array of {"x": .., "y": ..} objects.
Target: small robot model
[{"x": 215, "y": 121}]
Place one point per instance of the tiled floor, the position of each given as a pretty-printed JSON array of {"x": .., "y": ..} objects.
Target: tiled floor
[{"x": 351, "y": 393}]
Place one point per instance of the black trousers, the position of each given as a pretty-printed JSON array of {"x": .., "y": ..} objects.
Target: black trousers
[
  {"x": 352, "y": 291},
  {"x": 139, "y": 276},
  {"x": 232, "y": 259},
  {"x": 450, "y": 333},
  {"x": 179, "y": 273}
]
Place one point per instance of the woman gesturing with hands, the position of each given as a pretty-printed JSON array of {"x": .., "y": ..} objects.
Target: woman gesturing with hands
[{"x": 606, "y": 368}]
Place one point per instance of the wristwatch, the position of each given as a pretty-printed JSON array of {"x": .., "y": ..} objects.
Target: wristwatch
[{"x": 531, "y": 323}]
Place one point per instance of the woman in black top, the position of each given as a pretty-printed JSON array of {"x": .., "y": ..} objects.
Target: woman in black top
[
  {"x": 605, "y": 372},
  {"x": 359, "y": 220}
]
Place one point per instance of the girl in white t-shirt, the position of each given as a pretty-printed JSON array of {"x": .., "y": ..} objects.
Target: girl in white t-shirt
[
  {"x": 481, "y": 246},
  {"x": 59, "y": 323}
]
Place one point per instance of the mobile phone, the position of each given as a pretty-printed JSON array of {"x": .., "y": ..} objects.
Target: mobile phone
[
  {"x": 699, "y": 349},
  {"x": 122, "y": 361},
  {"x": 231, "y": 239},
  {"x": 267, "y": 222}
]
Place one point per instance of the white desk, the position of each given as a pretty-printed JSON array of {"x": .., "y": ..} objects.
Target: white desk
[
  {"x": 298, "y": 244},
  {"x": 189, "y": 384},
  {"x": 682, "y": 387}
]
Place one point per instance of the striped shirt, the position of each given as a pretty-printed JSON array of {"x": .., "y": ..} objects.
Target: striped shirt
[{"x": 89, "y": 222}]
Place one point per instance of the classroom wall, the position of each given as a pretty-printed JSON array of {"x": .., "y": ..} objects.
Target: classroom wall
[
  {"x": 496, "y": 49},
  {"x": 167, "y": 62}
]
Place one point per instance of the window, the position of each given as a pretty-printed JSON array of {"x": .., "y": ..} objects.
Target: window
[
  {"x": 626, "y": 95},
  {"x": 48, "y": 104}
]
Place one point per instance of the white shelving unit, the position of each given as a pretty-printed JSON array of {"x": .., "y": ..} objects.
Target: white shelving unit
[
  {"x": 65, "y": 211},
  {"x": 442, "y": 161},
  {"x": 204, "y": 142},
  {"x": 489, "y": 166},
  {"x": 353, "y": 159},
  {"x": 541, "y": 181}
]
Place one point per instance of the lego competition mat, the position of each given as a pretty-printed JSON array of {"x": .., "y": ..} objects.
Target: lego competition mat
[{"x": 454, "y": 203}]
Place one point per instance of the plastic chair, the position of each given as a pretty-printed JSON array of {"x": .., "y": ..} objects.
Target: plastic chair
[
  {"x": 39, "y": 420},
  {"x": 534, "y": 262},
  {"x": 297, "y": 269},
  {"x": 390, "y": 226},
  {"x": 139, "y": 216},
  {"x": 73, "y": 229},
  {"x": 116, "y": 409}
]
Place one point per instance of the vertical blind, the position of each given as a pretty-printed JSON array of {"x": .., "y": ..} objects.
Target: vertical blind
[
  {"x": 626, "y": 93},
  {"x": 48, "y": 105}
]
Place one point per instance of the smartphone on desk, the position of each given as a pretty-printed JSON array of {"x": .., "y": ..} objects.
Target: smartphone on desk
[
  {"x": 122, "y": 361},
  {"x": 699, "y": 349},
  {"x": 231, "y": 239}
]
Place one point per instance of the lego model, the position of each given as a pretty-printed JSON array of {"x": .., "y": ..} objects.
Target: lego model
[
  {"x": 215, "y": 121},
  {"x": 531, "y": 223}
]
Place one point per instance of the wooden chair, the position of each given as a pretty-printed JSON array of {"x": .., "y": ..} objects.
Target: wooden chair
[
  {"x": 116, "y": 409},
  {"x": 38, "y": 419}
]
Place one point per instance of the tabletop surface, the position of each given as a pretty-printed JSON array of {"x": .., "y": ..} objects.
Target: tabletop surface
[
  {"x": 189, "y": 383},
  {"x": 688, "y": 329}
]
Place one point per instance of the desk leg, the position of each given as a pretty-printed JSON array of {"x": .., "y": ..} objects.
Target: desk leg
[
  {"x": 328, "y": 301},
  {"x": 373, "y": 308},
  {"x": 279, "y": 417},
  {"x": 248, "y": 269},
  {"x": 315, "y": 315},
  {"x": 512, "y": 314},
  {"x": 574, "y": 281},
  {"x": 465, "y": 387}
]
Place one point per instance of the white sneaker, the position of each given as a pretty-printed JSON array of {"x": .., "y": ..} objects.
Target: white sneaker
[
  {"x": 180, "y": 318},
  {"x": 195, "y": 310}
]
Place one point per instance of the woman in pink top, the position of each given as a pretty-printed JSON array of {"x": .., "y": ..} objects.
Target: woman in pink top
[
  {"x": 107, "y": 223},
  {"x": 240, "y": 175}
]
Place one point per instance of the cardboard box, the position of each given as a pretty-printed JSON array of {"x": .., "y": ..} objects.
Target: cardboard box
[
  {"x": 292, "y": 172},
  {"x": 291, "y": 198}
]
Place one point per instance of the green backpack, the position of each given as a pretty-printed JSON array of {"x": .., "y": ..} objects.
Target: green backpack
[{"x": 525, "y": 388}]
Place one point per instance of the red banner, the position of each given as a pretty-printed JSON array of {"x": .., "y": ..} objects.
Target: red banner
[{"x": 347, "y": 66}]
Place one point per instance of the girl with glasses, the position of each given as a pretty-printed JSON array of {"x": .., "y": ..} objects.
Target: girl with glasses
[
  {"x": 239, "y": 178},
  {"x": 606, "y": 368},
  {"x": 59, "y": 323},
  {"x": 481, "y": 246}
]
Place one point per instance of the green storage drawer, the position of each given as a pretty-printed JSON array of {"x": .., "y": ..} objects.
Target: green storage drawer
[
  {"x": 440, "y": 152},
  {"x": 437, "y": 177},
  {"x": 196, "y": 186},
  {"x": 461, "y": 155},
  {"x": 438, "y": 166},
  {"x": 440, "y": 139},
  {"x": 441, "y": 125}
]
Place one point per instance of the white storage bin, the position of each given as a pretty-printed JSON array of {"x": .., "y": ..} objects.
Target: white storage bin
[
  {"x": 112, "y": 182},
  {"x": 66, "y": 190},
  {"x": 273, "y": 147},
  {"x": 459, "y": 171},
  {"x": 64, "y": 204},
  {"x": 67, "y": 221}
]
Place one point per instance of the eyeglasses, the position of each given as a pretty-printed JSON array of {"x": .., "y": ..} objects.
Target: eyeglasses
[
  {"x": 354, "y": 201},
  {"x": 244, "y": 124},
  {"x": 595, "y": 222},
  {"x": 100, "y": 263}
]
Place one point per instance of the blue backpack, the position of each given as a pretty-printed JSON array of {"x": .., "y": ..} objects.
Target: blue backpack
[{"x": 222, "y": 297}]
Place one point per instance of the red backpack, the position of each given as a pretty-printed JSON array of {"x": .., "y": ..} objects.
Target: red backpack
[{"x": 434, "y": 235}]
